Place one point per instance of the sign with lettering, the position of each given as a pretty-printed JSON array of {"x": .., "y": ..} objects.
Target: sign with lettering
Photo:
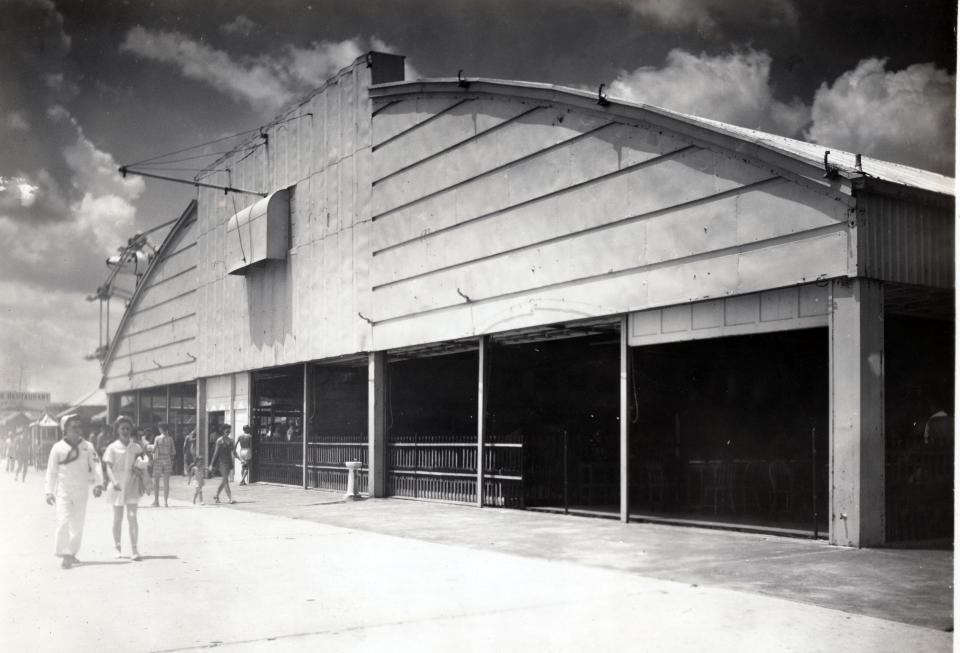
[{"x": 23, "y": 400}]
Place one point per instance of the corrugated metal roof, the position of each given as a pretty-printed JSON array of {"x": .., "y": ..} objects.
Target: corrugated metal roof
[
  {"x": 813, "y": 153},
  {"x": 801, "y": 151}
]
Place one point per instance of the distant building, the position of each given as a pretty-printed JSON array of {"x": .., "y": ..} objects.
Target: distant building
[{"x": 514, "y": 294}]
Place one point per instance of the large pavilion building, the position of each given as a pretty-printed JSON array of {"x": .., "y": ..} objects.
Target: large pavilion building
[{"x": 518, "y": 295}]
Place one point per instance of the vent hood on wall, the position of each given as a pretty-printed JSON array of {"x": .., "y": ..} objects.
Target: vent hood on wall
[{"x": 259, "y": 233}]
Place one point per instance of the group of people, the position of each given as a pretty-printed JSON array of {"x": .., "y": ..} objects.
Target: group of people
[{"x": 122, "y": 468}]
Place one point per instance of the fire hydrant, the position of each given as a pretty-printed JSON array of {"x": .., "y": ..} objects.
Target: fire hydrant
[{"x": 352, "y": 467}]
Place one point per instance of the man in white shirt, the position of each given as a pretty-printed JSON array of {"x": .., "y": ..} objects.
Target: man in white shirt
[{"x": 72, "y": 467}]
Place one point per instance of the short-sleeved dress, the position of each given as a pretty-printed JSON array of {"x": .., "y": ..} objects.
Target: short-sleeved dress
[{"x": 123, "y": 457}]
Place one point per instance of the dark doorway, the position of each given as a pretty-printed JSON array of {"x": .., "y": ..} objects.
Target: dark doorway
[
  {"x": 277, "y": 425},
  {"x": 732, "y": 430},
  {"x": 337, "y": 425},
  {"x": 558, "y": 399},
  {"x": 431, "y": 426},
  {"x": 919, "y": 376}
]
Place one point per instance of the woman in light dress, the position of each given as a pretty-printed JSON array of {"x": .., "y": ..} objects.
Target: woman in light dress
[{"x": 122, "y": 458}]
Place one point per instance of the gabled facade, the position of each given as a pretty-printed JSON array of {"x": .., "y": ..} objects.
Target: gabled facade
[{"x": 436, "y": 226}]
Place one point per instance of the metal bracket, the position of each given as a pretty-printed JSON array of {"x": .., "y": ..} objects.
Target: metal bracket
[
  {"x": 460, "y": 292},
  {"x": 601, "y": 98},
  {"x": 461, "y": 80},
  {"x": 830, "y": 171}
]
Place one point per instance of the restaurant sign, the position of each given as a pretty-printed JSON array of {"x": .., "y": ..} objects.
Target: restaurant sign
[{"x": 23, "y": 400}]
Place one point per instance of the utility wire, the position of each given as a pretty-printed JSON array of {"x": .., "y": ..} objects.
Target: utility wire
[
  {"x": 194, "y": 147},
  {"x": 198, "y": 156}
]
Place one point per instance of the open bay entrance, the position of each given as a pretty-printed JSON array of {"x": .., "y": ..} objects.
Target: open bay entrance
[
  {"x": 337, "y": 424},
  {"x": 431, "y": 427},
  {"x": 919, "y": 413},
  {"x": 732, "y": 431},
  {"x": 553, "y": 428},
  {"x": 276, "y": 423}
]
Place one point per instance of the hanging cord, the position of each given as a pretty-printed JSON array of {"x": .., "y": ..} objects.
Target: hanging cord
[
  {"x": 632, "y": 380},
  {"x": 233, "y": 198}
]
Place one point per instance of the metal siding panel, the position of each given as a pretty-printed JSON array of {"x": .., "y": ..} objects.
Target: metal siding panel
[
  {"x": 334, "y": 116},
  {"x": 707, "y": 315},
  {"x": 405, "y": 114},
  {"x": 813, "y": 258},
  {"x": 813, "y": 300},
  {"x": 348, "y": 105},
  {"x": 613, "y": 294},
  {"x": 348, "y": 169},
  {"x": 444, "y": 131},
  {"x": 524, "y": 137},
  {"x": 778, "y": 305},
  {"x": 907, "y": 242},
  {"x": 741, "y": 310},
  {"x": 644, "y": 323},
  {"x": 676, "y": 319}
]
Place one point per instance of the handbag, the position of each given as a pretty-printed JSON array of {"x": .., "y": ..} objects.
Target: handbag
[{"x": 140, "y": 482}]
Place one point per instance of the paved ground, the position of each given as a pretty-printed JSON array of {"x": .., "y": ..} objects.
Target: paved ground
[{"x": 287, "y": 570}]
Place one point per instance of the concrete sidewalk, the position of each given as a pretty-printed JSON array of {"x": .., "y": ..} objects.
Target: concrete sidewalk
[{"x": 285, "y": 569}]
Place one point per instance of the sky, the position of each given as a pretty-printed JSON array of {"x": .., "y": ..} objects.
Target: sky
[{"x": 88, "y": 86}]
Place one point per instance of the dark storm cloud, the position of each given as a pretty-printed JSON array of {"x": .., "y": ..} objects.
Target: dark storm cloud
[{"x": 711, "y": 18}]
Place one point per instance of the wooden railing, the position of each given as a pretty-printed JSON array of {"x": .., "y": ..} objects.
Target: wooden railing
[
  {"x": 326, "y": 455},
  {"x": 503, "y": 474},
  {"x": 435, "y": 467},
  {"x": 278, "y": 462},
  {"x": 444, "y": 468}
]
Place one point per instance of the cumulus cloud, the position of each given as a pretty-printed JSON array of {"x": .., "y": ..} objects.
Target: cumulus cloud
[
  {"x": 709, "y": 17},
  {"x": 732, "y": 88},
  {"x": 96, "y": 217},
  {"x": 267, "y": 82},
  {"x": 905, "y": 116},
  {"x": 16, "y": 121},
  {"x": 239, "y": 26}
]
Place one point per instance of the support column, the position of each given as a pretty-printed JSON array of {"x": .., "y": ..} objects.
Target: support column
[
  {"x": 307, "y": 411},
  {"x": 166, "y": 416},
  {"x": 113, "y": 408},
  {"x": 624, "y": 424},
  {"x": 377, "y": 424},
  {"x": 481, "y": 413},
  {"x": 856, "y": 413},
  {"x": 203, "y": 456}
]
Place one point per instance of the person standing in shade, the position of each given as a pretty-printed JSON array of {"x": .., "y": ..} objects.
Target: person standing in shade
[
  {"x": 190, "y": 455},
  {"x": 164, "y": 451},
  {"x": 245, "y": 448},
  {"x": 72, "y": 467},
  {"x": 123, "y": 457},
  {"x": 224, "y": 452},
  {"x": 22, "y": 450},
  {"x": 11, "y": 459}
]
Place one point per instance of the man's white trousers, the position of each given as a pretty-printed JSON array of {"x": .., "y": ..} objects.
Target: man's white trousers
[{"x": 71, "y": 512}]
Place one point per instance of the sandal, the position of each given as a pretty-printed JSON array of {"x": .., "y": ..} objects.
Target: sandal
[
  {"x": 216, "y": 499},
  {"x": 135, "y": 557}
]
